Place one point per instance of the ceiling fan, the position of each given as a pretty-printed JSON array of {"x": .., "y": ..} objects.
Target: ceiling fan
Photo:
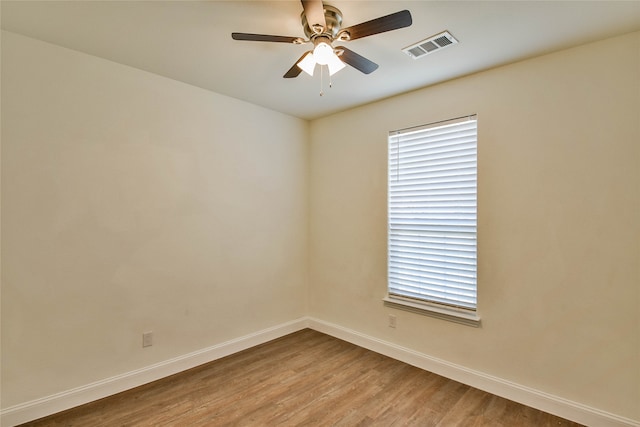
[{"x": 322, "y": 26}]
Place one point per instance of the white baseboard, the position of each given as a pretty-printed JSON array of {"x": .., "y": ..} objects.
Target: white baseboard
[
  {"x": 39, "y": 408},
  {"x": 577, "y": 412},
  {"x": 518, "y": 393}
]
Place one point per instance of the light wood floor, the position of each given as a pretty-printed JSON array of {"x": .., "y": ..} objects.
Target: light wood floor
[{"x": 304, "y": 379}]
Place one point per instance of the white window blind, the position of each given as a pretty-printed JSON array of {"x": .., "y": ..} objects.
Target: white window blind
[{"x": 432, "y": 213}]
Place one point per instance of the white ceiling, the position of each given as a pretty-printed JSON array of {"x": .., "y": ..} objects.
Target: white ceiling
[{"x": 191, "y": 41}]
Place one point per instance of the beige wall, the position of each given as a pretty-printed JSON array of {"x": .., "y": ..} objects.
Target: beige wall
[
  {"x": 559, "y": 223},
  {"x": 131, "y": 202}
]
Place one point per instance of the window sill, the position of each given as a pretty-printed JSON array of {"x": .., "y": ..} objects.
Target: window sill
[{"x": 451, "y": 314}]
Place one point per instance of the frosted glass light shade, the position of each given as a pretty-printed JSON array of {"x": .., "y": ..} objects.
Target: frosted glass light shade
[
  {"x": 308, "y": 63},
  {"x": 323, "y": 53},
  {"x": 335, "y": 64}
]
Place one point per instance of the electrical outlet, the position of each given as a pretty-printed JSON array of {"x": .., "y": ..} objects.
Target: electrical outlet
[
  {"x": 392, "y": 321},
  {"x": 147, "y": 339}
]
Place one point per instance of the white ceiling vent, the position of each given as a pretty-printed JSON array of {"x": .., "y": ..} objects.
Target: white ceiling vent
[{"x": 430, "y": 45}]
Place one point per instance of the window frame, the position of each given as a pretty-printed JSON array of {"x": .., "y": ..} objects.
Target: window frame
[{"x": 464, "y": 315}]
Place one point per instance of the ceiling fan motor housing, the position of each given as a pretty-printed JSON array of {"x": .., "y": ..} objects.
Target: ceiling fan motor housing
[{"x": 333, "y": 18}]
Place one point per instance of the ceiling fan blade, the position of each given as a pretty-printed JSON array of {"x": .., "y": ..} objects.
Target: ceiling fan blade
[
  {"x": 264, "y": 38},
  {"x": 295, "y": 70},
  {"x": 314, "y": 11},
  {"x": 357, "y": 61},
  {"x": 379, "y": 25}
]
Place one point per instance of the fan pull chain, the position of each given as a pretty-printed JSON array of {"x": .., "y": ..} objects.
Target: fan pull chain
[{"x": 322, "y": 80}]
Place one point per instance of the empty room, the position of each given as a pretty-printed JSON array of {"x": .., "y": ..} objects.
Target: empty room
[{"x": 282, "y": 213}]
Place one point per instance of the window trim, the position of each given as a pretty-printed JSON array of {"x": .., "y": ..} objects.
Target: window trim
[
  {"x": 466, "y": 316},
  {"x": 457, "y": 315}
]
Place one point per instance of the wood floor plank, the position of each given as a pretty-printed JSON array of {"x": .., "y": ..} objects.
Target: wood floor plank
[{"x": 304, "y": 379}]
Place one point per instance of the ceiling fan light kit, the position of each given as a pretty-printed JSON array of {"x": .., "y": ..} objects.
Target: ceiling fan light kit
[
  {"x": 323, "y": 54},
  {"x": 322, "y": 25}
]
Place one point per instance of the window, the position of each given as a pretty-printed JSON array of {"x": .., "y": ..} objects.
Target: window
[{"x": 432, "y": 219}]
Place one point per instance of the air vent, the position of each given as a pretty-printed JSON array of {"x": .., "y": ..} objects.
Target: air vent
[{"x": 430, "y": 45}]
